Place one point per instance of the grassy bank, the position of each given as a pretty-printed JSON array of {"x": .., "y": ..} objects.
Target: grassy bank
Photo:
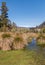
[{"x": 21, "y": 57}]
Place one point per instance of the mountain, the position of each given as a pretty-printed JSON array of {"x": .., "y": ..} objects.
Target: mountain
[{"x": 42, "y": 25}]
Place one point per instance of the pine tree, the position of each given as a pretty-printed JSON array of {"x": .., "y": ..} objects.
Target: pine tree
[
  {"x": 4, "y": 15},
  {"x": 4, "y": 10}
]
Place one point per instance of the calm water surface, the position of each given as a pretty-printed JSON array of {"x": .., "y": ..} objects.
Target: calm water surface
[{"x": 33, "y": 46}]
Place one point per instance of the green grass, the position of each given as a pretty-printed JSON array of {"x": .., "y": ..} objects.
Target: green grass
[{"x": 22, "y": 57}]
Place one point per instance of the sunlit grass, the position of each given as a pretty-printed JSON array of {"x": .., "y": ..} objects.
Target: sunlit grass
[{"x": 21, "y": 57}]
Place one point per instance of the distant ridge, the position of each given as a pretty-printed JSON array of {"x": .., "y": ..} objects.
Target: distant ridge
[{"x": 42, "y": 25}]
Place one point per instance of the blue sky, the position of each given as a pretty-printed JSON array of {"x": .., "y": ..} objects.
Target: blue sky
[{"x": 26, "y": 13}]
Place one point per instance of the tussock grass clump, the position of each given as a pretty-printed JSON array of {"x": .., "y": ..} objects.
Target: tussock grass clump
[
  {"x": 41, "y": 40},
  {"x": 18, "y": 39},
  {"x": 29, "y": 39},
  {"x": 18, "y": 42},
  {"x": 5, "y": 35},
  {"x": 41, "y": 36}
]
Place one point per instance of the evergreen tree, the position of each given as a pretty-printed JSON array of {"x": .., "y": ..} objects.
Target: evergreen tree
[
  {"x": 4, "y": 15},
  {"x": 4, "y": 10},
  {"x": 5, "y": 23}
]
